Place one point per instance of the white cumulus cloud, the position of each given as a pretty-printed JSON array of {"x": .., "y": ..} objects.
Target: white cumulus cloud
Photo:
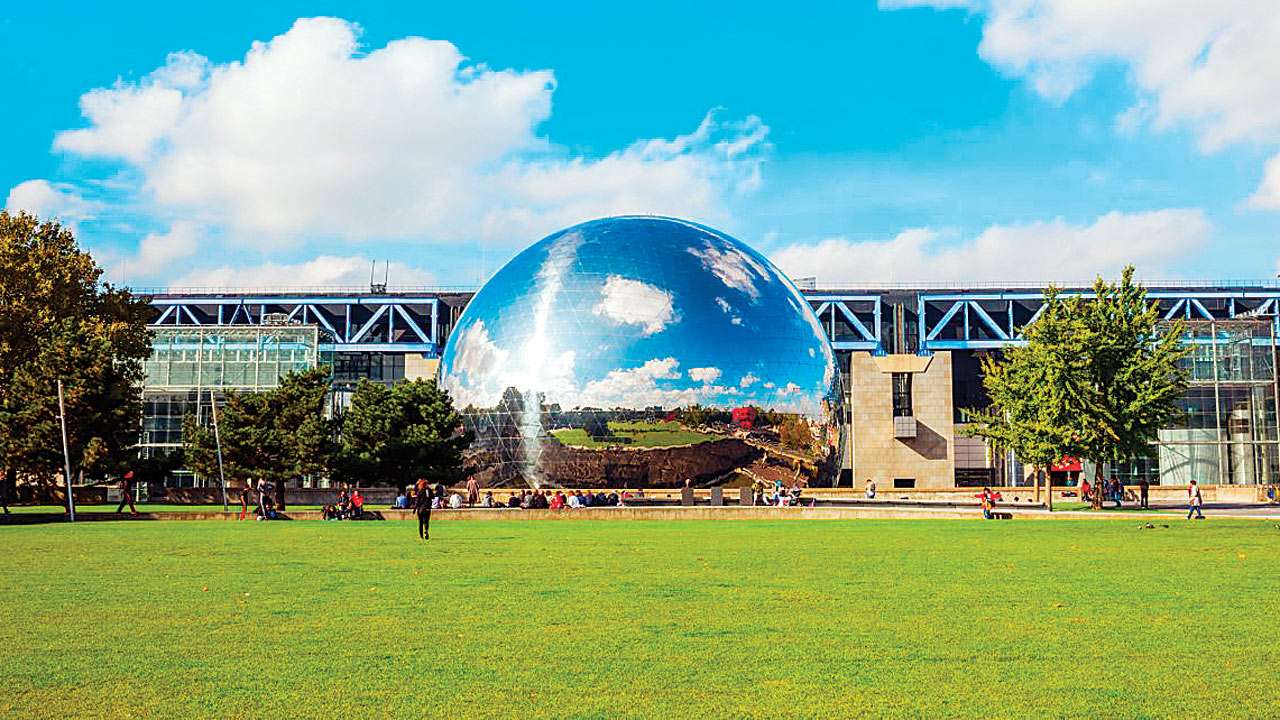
[
  {"x": 311, "y": 134},
  {"x": 322, "y": 271},
  {"x": 632, "y": 302},
  {"x": 1042, "y": 251},
  {"x": 51, "y": 201},
  {"x": 705, "y": 375},
  {"x": 1211, "y": 66}
]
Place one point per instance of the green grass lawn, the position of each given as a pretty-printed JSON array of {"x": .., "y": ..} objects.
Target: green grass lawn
[
  {"x": 922, "y": 618},
  {"x": 637, "y": 434}
]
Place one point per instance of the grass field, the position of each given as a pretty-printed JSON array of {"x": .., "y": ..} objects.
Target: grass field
[
  {"x": 637, "y": 434},
  {"x": 616, "y": 619}
]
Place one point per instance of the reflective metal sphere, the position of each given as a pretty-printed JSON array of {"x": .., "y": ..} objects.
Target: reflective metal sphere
[{"x": 644, "y": 351}]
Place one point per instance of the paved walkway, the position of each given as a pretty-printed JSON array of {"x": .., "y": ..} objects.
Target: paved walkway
[{"x": 862, "y": 510}]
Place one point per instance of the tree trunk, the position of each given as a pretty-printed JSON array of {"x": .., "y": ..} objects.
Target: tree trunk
[
  {"x": 280, "y": 495},
  {"x": 1096, "y": 503},
  {"x": 1048, "y": 490},
  {"x": 1036, "y": 473}
]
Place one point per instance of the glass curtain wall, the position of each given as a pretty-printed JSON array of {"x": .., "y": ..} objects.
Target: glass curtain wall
[
  {"x": 189, "y": 367},
  {"x": 1226, "y": 433}
]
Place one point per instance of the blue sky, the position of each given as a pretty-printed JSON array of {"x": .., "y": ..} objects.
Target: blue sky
[{"x": 923, "y": 140}]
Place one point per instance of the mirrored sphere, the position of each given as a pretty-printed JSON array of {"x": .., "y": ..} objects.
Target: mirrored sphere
[{"x": 644, "y": 352}]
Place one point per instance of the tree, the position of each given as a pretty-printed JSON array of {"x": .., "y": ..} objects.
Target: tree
[
  {"x": 1097, "y": 379},
  {"x": 275, "y": 435},
  {"x": 794, "y": 434},
  {"x": 58, "y": 320},
  {"x": 401, "y": 433}
]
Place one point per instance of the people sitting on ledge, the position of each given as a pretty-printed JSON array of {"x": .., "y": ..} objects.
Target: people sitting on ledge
[
  {"x": 487, "y": 502},
  {"x": 402, "y": 501}
]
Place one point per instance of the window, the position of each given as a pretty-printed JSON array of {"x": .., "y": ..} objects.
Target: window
[
  {"x": 902, "y": 395},
  {"x": 904, "y": 483}
]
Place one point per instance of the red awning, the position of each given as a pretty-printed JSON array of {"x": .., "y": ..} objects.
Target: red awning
[{"x": 1068, "y": 464}]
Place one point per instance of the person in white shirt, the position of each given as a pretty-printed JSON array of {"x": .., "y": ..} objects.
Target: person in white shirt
[
  {"x": 1193, "y": 501},
  {"x": 455, "y": 501},
  {"x": 575, "y": 501},
  {"x": 871, "y": 489}
]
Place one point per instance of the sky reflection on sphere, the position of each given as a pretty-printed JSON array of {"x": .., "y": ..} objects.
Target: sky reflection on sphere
[{"x": 634, "y": 315}]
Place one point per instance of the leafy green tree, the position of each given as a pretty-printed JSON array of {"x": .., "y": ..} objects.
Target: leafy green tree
[
  {"x": 275, "y": 435},
  {"x": 398, "y": 434},
  {"x": 59, "y": 320},
  {"x": 1097, "y": 379}
]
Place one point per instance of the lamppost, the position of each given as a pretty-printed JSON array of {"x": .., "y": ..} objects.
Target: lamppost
[{"x": 66, "y": 454}]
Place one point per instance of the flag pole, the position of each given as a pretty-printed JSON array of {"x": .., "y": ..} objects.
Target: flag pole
[{"x": 66, "y": 454}]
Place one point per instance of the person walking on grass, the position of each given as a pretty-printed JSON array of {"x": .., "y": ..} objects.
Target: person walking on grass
[
  {"x": 126, "y": 493},
  {"x": 422, "y": 506},
  {"x": 1194, "y": 501}
]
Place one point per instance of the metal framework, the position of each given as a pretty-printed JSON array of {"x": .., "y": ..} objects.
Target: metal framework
[
  {"x": 855, "y": 321},
  {"x": 979, "y": 321},
  {"x": 852, "y": 322},
  {"x": 352, "y": 323}
]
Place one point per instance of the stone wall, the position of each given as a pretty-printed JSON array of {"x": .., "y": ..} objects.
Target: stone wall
[
  {"x": 928, "y": 458},
  {"x": 644, "y": 467}
]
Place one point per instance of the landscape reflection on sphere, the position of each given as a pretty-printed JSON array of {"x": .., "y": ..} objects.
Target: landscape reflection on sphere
[{"x": 643, "y": 351}]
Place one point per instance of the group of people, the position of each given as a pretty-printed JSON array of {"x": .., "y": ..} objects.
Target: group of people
[
  {"x": 258, "y": 495},
  {"x": 1112, "y": 490},
  {"x": 776, "y": 494},
  {"x": 349, "y": 506},
  {"x": 558, "y": 500},
  {"x": 437, "y": 497}
]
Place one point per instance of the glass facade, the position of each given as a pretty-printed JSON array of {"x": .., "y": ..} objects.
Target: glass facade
[
  {"x": 1226, "y": 432},
  {"x": 188, "y": 366},
  {"x": 240, "y": 358}
]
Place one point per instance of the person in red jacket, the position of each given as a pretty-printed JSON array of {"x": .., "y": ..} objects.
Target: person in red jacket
[
  {"x": 989, "y": 500},
  {"x": 357, "y": 503}
]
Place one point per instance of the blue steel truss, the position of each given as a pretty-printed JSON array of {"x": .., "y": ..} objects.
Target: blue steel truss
[
  {"x": 352, "y": 323},
  {"x": 944, "y": 320},
  {"x": 979, "y": 321},
  {"x": 851, "y": 321}
]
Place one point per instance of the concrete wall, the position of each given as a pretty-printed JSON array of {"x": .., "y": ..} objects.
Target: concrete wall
[
  {"x": 929, "y": 458},
  {"x": 417, "y": 366}
]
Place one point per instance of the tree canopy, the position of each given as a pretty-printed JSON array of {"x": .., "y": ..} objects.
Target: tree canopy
[
  {"x": 401, "y": 433},
  {"x": 59, "y": 320},
  {"x": 274, "y": 435},
  {"x": 1097, "y": 379}
]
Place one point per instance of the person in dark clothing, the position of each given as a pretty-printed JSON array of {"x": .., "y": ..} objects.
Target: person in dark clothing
[
  {"x": 422, "y": 506},
  {"x": 126, "y": 493},
  {"x": 246, "y": 493},
  {"x": 1144, "y": 489},
  {"x": 513, "y": 501}
]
